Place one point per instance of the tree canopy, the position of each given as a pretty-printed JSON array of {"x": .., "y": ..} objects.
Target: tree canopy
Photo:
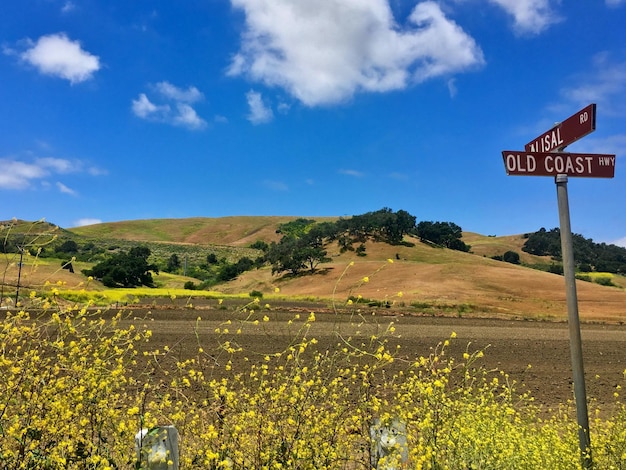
[
  {"x": 445, "y": 234},
  {"x": 125, "y": 269},
  {"x": 599, "y": 257}
]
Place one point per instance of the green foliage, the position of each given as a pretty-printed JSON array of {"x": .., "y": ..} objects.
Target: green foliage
[
  {"x": 588, "y": 255},
  {"x": 229, "y": 272},
  {"x": 256, "y": 294},
  {"x": 556, "y": 269},
  {"x": 302, "y": 246},
  {"x": 293, "y": 255},
  {"x": 296, "y": 228},
  {"x": 382, "y": 225},
  {"x": 604, "y": 281},
  {"x": 511, "y": 257},
  {"x": 173, "y": 264},
  {"x": 260, "y": 245},
  {"x": 68, "y": 246},
  {"x": 446, "y": 234},
  {"x": 360, "y": 251},
  {"x": 189, "y": 285},
  {"x": 125, "y": 269}
]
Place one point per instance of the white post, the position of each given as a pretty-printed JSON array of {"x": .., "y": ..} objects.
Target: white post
[{"x": 157, "y": 448}]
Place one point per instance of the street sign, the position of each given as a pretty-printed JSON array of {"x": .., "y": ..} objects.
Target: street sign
[
  {"x": 565, "y": 133},
  {"x": 595, "y": 165}
]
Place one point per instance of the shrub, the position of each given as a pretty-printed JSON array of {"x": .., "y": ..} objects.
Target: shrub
[
  {"x": 256, "y": 294},
  {"x": 511, "y": 257},
  {"x": 604, "y": 281},
  {"x": 189, "y": 285},
  {"x": 76, "y": 386}
]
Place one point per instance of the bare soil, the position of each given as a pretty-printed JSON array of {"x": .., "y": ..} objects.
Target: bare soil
[{"x": 535, "y": 354}]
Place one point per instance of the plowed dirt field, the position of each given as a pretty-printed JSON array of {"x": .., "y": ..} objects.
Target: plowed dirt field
[{"x": 535, "y": 354}]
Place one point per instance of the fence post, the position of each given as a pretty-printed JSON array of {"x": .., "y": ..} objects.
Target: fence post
[
  {"x": 389, "y": 446},
  {"x": 157, "y": 448}
]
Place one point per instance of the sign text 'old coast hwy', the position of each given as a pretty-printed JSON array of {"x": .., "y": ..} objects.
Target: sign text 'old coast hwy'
[
  {"x": 544, "y": 156},
  {"x": 558, "y": 163}
]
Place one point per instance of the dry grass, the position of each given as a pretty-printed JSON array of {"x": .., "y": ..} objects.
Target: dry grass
[{"x": 467, "y": 283}]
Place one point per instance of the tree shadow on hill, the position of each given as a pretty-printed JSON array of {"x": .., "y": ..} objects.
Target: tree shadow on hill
[{"x": 314, "y": 272}]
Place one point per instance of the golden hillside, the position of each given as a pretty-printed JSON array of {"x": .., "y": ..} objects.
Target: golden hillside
[{"x": 437, "y": 279}]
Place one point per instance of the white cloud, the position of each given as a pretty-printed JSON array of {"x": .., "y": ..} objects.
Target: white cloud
[
  {"x": 187, "y": 117},
  {"x": 145, "y": 109},
  {"x": 603, "y": 83},
  {"x": 259, "y": 112},
  {"x": 180, "y": 113},
  {"x": 614, "y": 3},
  {"x": 86, "y": 221},
  {"x": 65, "y": 189},
  {"x": 190, "y": 95},
  {"x": 68, "y": 6},
  {"x": 452, "y": 89},
  {"x": 530, "y": 16},
  {"x": 17, "y": 174},
  {"x": 59, "y": 56},
  {"x": 325, "y": 51}
]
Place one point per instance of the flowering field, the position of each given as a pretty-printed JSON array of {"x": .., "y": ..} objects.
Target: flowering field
[{"x": 253, "y": 387}]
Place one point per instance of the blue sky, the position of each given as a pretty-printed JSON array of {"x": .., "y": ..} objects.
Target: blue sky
[{"x": 118, "y": 110}]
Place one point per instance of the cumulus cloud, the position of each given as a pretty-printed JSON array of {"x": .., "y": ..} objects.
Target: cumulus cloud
[
  {"x": 145, "y": 109},
  {"x": 59, "y": 56},
  {"x": 530, "y": 16},
  {"x": 259, "y": 112},
  {"x": 190, "y": 95},
  {"x": 324, "y": 51},
  {"x": 17, "y": 174},
  {"x": 175, "y": 107}
]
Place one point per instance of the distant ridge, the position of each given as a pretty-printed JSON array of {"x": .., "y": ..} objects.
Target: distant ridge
[{"x": 231, "y": 230}]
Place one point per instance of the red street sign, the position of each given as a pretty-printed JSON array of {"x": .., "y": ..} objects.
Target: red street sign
[
  {"x": 595, "y": 165},
  {"x": 565, "y": 133}
]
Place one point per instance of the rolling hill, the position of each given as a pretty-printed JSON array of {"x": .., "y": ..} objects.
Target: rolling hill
[{"x": 411, "y": 278}]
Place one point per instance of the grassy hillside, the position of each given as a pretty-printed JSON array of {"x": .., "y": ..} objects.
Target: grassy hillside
[
  {"x": 420, "y": 278},
  {"x": 234, "y": 231}
]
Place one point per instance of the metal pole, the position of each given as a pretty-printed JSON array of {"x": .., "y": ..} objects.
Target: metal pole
[
  {"x": 19, "y": 275},
  {"x": 576, "y": 351}
]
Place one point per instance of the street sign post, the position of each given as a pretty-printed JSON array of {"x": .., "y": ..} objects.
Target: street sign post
[
  {"x": 558, "y": 163},
  {"x": 565, "y": 133},
  {"x": 544, "y": 156}
]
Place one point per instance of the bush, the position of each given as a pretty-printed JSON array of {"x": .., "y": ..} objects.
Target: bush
[
  {"x": 78, "y": 385},
  {"x": 604, "y": 281},
  {"x": 511, "y": 257},
  {"x": 556, "y": 269},
  {"x": 256, "y": 294},
  {"x": 189, "y": 285}
]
